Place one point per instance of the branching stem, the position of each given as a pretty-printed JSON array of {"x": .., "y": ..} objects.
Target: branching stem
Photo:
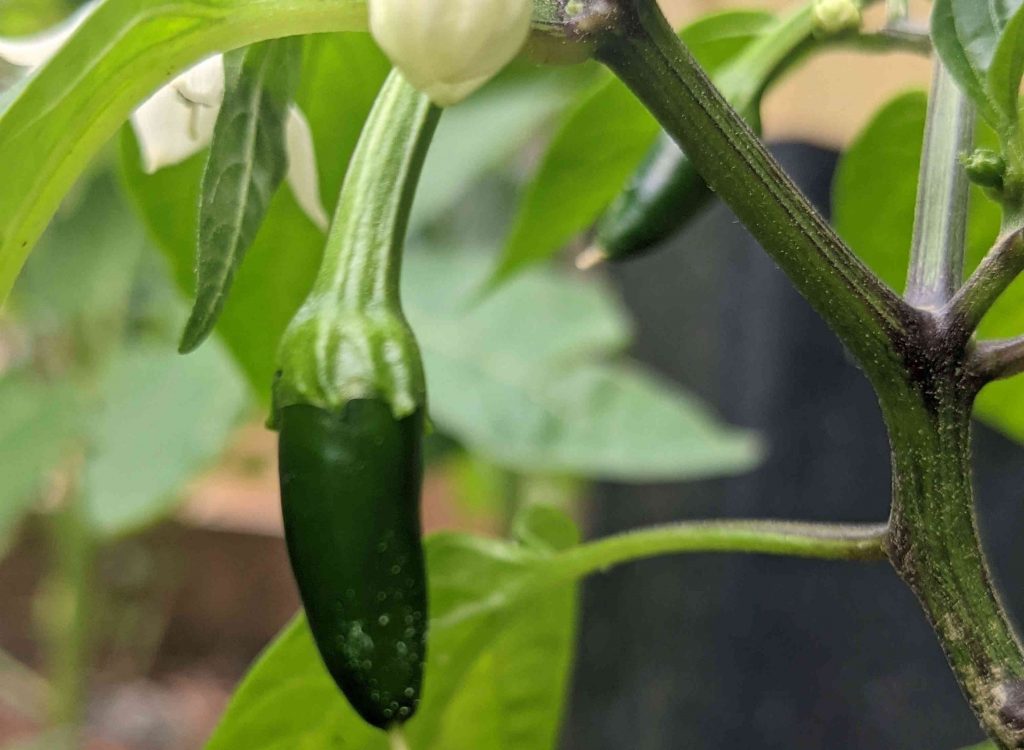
[
  {"x": 998, "y": 360},
  {"x": 997, "y": 271},
  {"x": 916, "y": 356}
]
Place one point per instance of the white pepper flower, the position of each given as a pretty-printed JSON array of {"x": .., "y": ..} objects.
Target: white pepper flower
[
  {"x": 450, "y": 48},
  {"x": 177, "y": 121}
]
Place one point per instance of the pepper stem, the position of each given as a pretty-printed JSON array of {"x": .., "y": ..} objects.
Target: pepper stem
[{"x": 397, "y": 739}]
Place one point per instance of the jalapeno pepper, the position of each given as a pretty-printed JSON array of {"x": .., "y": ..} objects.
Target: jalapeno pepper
[{"x": 350, "y": 403}]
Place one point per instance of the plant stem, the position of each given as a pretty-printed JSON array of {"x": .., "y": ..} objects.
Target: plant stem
[
  {"x": 998, "y": 360},
  {"x": 396, "y": 739},
  {"x": 634, "y": 40},
  {"x": 863, "y": 542},
  {"x": 69, "y": 618},
  {"x": 897, "y": 38},
  {"x": 915, "y": 359},
  {"x": 997, "y": 271},
  {"x": 937, "y": 253},
  {"x": 934, "y": 546}
]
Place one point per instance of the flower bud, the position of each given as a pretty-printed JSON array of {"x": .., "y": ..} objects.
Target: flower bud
[
  {"x": 985, "y": 168},
  {"x": 837, "y": 16},
  {"x": 450, "y": 48}
]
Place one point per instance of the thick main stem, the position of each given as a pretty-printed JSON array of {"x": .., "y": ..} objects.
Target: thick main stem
[
  {"x": 935, "y": 548},
  {"x": 915, "y": 360}
]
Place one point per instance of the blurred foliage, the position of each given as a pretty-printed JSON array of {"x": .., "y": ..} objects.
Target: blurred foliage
[
  {"x": 102, "y": 398},
  {"x": 536, "y": 396},
  {"x": 40, "y": 422},
  {"x": 18, "y": 17}
]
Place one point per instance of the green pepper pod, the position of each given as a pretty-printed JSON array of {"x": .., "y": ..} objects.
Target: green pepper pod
[
  {"x": 666, "y": 192},
  {"x": 349, "y": 403},
  {"x": 350, "y": 486}
]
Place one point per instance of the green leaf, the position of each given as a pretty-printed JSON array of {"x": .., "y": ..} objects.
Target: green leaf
[
  {"x": 40, "y": 423},
  {"x": 512, "y": 696},
  {"x": 18, "y": 17},
  {"x": 599, "y": 144},
  {"x": 284, "y": 257},
  {"x": 162, "y": 419},
  {"x": 482, "y": 133},
  {"x": 877, "y": 224},
  {"x": 590, "y": 157},
  {"x": 246, "y": 164},
  {"x": 966, "y": 34},
  {"x": 537, "y": 396},
  {"x": 69, "y": 108},
  {"x": 496, "y": 675},
  {"x": 1004, "y": 76},
  {"x": 544, "y": 527},
  {"x": 279, "y": 267},
  {"x": 352, "y": 68},
  {"x": 83, "y": 272}
]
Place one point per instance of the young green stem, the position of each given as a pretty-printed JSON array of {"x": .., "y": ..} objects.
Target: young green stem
[
  {"x": 937, "y": 253},
  {"x": 998, "y": 360},
  {"x": 363, "y": 261},
  {"x": 396, "y": 739},
  {"x": 68, "y": 618},
  {"x": 997, "y": 271},
  {"x": 634, "y": 40},
  {"x": 350, "y": 339},
  {"x": 862, "y": 542}
]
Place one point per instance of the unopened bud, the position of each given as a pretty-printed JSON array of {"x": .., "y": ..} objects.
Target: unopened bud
[
  {"x": 450, "y": 48},
  {"x": 836, "y": 16},
  {"x": 986, "y": 168}
]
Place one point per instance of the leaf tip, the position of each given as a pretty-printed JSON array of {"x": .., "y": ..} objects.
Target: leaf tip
[{"x": 195, "y": 333}]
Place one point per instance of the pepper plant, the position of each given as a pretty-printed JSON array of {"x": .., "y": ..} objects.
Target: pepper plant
[{"x": 349, "y": 394}]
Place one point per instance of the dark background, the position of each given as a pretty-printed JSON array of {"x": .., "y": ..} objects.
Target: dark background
[{"x": 703, "y": 652}]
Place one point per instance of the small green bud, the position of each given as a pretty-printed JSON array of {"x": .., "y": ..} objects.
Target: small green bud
[
  {"x": 986, "y": 168},
  {"x": 836, "y": 16}
]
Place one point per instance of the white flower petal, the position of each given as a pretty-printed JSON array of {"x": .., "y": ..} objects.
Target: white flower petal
[
  {"x": 303, "y": 174},
  {"x": 449, "y": 48},
  {"x": 203, "y": 84},
  {"x": 177, "y": 122}
]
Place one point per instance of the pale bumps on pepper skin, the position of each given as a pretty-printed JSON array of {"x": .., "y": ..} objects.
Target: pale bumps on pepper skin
[{"x": 450, "y": 48}]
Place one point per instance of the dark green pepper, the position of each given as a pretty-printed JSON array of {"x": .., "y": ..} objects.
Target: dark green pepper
[
  {"x": 350, "y": 486},
  {"x": 666, "y": 192},
  {"x": 349, "y": 403}
]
